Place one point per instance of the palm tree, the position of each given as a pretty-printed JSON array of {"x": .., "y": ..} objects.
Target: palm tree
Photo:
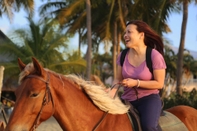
[
  {"x": 89, "y": 38},
  {"x": 75, "y": 15},
  {"x": 181, "y": 46},
  {"x": 42, "y": 41},
  {"x": 75, "y": 20},
  {"x": 70, "y": 14},
  {"x": 8, "y": 7}
]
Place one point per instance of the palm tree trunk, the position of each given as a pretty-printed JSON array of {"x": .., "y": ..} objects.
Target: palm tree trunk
[
  {"x": 114, "y": 49},
  {"x": 89, "y": 38},
  {"x": 181, "y": 47},
  {"x": 118, "y": 44},
  {"x": 79, "y": 48}
]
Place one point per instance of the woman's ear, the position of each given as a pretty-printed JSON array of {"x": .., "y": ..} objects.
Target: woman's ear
[{"x": 142, "y": 35}]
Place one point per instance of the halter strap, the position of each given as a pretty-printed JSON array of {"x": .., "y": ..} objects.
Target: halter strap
[{"x": 44, "y": 102}]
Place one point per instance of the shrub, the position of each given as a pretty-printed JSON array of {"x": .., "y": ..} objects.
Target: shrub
[{"x": 188, "y": 98}]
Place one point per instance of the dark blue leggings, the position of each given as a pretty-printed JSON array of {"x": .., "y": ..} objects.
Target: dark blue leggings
[{"x": 149, "y": 108}]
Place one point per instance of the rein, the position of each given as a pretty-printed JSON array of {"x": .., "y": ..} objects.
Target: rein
[
  {"x": 119, "y": 85},
  {"x": 100, "y": 121},
  {"x": 105, "y": 114},
  {"x": 44, "y": 102}
]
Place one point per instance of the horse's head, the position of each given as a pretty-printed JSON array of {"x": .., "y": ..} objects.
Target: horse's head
[{"x": 33, "y": 98}]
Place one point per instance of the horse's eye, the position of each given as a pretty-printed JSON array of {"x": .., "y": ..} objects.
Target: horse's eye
[{"x": 33, "y": 95}]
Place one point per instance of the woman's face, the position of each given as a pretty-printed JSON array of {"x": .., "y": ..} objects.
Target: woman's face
[{"x": 131, "y": 36}]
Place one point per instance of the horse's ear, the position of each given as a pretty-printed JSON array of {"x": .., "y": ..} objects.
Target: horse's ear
[
  {"x": 39, "y": 69},
  {"x": 21, "y": 64}
]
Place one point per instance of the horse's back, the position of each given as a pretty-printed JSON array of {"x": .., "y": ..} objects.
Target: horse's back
[
  {"x": 170, "y": 122},
  {"x": 186, "y": 114}
]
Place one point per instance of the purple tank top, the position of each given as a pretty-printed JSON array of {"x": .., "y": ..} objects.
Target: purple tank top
[{"x": 142, "y": 73}]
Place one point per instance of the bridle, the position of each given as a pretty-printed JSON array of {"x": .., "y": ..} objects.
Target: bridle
[
  {"x": 45, "y": 100},
  {"x": 50, "y": 98}
]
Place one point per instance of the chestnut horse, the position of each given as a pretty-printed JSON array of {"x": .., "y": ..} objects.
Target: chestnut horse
[{"x": 76, "y": 104}]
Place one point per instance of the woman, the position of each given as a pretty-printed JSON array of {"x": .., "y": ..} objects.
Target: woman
[{"x": 139, "y": 88}]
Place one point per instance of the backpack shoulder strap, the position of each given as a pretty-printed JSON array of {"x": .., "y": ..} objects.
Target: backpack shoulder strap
[
  {"x": 148, "y": 59},
  {"x": 149, "y": 64},
  {"x": 122, "y": 57}
]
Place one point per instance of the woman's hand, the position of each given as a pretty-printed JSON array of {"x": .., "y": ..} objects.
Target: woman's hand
[
  {"x": 129, "y": 82},
  {"x": 107, "y": 90}
]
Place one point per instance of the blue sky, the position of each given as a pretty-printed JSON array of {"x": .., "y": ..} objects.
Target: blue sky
[{"x": 174, "y": 22}]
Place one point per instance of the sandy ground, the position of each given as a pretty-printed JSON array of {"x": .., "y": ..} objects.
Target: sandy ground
[{"x": 49, "y": 125}]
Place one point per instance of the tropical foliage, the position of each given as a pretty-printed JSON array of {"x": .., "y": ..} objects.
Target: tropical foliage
[
  {"x": 108, "y": 21},
  {"x": 8, "y": 7},
  {"x": 43, "y": 41},
  {"x": 108, "y": 24}
]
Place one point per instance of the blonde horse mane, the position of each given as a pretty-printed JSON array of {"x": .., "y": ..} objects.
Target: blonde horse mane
[
  {"x": 100, "y": 97},
  {"x": 96, "y": 92}
]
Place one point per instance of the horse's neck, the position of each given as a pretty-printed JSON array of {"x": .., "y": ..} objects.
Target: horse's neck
[{"x": 73, "y": 107}]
